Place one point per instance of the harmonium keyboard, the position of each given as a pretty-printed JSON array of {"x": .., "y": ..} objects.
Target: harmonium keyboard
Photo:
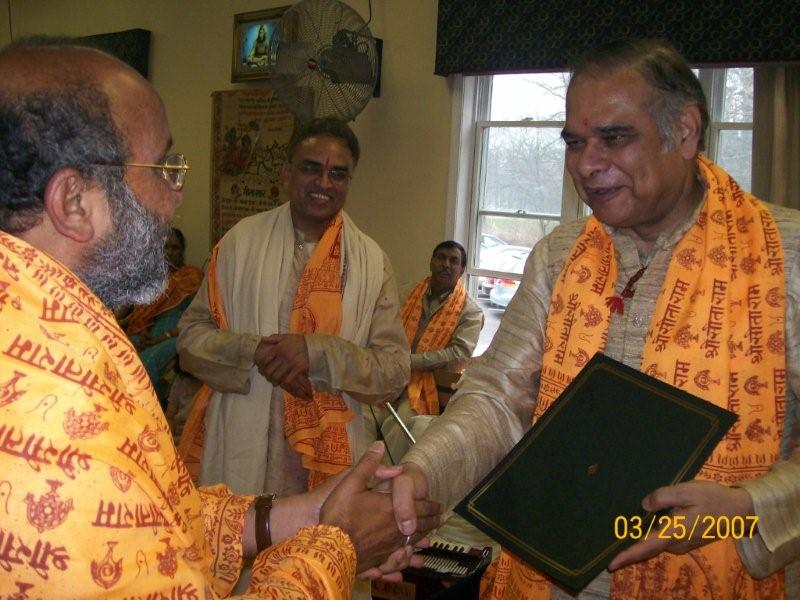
[{"x": 445, "y": 565}]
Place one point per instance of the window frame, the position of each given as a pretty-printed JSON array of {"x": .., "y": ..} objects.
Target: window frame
[
  {"x": 473, "y": 98},
  {"x": 712, "y": 81}
]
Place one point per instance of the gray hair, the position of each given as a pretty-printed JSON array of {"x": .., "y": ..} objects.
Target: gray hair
[
  {"x": 44, "y": 131},
  {"x": 675, "y": 85},
  {"x": 70, "y": 125},
  {"x": 129, "y": 265}
]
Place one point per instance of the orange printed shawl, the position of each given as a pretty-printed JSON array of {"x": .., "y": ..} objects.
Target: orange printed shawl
[
  {"x": 316, "y": 429},
  {"x": 94, "y": 500},
  {"x": 422, "y": 392},
  {"x": 182, "y": 283},
  {"x": 717, "y": 332}
]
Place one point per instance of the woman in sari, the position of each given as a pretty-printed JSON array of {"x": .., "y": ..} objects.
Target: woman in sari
[{"x": 153, "y": 328}]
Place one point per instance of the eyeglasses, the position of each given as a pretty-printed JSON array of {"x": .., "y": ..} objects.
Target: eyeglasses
[
  {"x": 337, "y": 175},
  {"x": 173, "y": 169}
]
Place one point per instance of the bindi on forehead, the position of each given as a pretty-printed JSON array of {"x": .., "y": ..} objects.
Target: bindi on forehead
[{"x": 585, "y": 122}]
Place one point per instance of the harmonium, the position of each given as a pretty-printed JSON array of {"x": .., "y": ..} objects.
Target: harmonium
[{"x": 449, "y": 571}]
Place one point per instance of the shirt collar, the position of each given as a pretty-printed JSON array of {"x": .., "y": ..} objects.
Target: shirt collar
[{"x": 439, "y": 297}]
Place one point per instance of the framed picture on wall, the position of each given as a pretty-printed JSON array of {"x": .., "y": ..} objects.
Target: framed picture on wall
[
  {"x": 255, "y": 38},
  {"x": 250, "y": 132}
]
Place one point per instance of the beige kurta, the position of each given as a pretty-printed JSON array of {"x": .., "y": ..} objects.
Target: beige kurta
[
  {"x": 245, "y": 443},
  {"x": 494, "y": 404}
]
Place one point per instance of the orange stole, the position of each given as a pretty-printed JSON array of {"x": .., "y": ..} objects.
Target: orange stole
[
  {"x": 190, "y": 446},
  {"x": 717, "y": 332},
  {"x": 422, "y": 392},
  {"x": 316, "y": 428}
]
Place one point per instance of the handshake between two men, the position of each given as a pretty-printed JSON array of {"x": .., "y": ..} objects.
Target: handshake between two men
[{"x": 384, "y": 544}]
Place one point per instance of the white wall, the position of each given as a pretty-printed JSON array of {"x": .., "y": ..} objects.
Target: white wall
[{"x": 399, "y": 191}]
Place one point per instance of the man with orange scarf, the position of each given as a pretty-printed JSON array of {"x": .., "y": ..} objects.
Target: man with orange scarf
[
  {"x": 442, "y": 324},
  {"x": 95, "y": 502},
  {"x": 295, "y": 325},
  {"x": 679, "y": 273}
]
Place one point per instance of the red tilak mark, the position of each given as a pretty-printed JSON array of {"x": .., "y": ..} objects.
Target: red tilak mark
[{"x": 585, "y": 122}]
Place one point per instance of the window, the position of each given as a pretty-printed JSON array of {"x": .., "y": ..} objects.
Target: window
[
  {"x": 519, "y": 167},
  {"x": 730, "y": 134},
  {"x": 520, "y": 191},
  {"x": 511, "y": 187}
]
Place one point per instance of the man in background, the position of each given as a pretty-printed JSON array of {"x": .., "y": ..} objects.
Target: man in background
[
  {"x": 442, "y": 324},
  {"x": 295, "y": 325},
  {"x": 94, "y": 500},
  {"x": 666, "y": 276}
]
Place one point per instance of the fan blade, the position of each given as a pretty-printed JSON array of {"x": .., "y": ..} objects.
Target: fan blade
[{"x": 294, "y": 57}]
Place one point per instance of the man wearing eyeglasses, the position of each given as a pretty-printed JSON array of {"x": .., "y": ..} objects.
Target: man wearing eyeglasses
[
  {"x": 295, "y": 325},
  {"x": 679, "y": 273},
  {"x": 94, "y": 501}
]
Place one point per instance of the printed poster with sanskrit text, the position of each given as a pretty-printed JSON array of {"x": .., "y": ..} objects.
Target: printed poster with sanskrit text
[{"x": 250, "y": 133}]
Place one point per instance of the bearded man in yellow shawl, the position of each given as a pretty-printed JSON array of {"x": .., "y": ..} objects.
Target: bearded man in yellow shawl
[
  {"x": 94, "y": 501},
  {"x": 679, "y": 273}
]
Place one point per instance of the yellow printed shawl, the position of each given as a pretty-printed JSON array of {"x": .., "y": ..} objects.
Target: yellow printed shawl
[
  {"x": 422, "y": 392},
  {"x": 717, "y": 332},
  {"x": 94, "y": 500},
  {"x": 316, "y": 428}
]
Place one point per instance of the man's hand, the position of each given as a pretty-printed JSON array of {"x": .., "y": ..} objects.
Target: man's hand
[
  {"x": 368, "y": 517},
  {"x": 283, "y": 360},
  {"x": 690, "y": 501},
  {"x": 408, "y": 488},
  {"x": 291, "y": 513}
]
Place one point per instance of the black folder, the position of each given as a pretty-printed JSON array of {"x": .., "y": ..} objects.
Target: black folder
[{"x": 613, "y": 436}]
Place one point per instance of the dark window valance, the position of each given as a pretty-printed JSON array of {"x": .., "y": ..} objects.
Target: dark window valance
[{"x": 496, "y": 36}]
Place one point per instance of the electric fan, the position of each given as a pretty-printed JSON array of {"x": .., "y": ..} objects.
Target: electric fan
[{"x": 326, "y": 61}]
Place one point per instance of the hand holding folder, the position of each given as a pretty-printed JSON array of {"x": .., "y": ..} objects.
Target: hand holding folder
[
  {"x": 612, "y": 437},
  {"x": 694, "y": 501}
]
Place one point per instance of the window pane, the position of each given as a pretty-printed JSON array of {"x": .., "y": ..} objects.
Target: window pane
[
  {"x": 530, "y": 97},
  {"x": 524, "y": 169},
  {"x": 737, "y": 103},
  {"x": 516, "y": 235},
  {"x": 734, "y": 154}
]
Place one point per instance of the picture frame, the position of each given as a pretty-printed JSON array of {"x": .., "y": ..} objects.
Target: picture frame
[
  {"x": 254, "y": 43},
  {"x": 250, "y": 131}
]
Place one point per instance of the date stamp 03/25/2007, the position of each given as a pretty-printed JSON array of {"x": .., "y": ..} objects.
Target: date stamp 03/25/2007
[{"x": 678, "y": 527}]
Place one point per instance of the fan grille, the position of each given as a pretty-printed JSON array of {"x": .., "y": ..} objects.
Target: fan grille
[{"x": 326, "y": 60}]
